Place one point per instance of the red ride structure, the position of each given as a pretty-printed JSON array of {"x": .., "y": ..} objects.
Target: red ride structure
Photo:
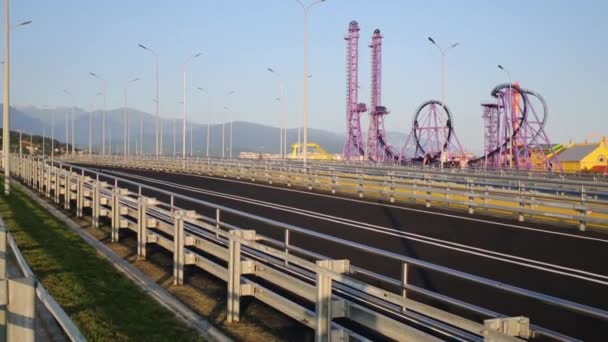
[
  {"x": 353, "y": 142},
  {"x": 377, "y": 147}
]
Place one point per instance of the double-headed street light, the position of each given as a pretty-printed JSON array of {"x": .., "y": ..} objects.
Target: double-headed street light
[
  {"x": 184, "y": 103},
  {"x": 73, "y": 142},
  {"x": 443, "y": 52},
  {"x": 283, "y": 119},
  {"x": 158, "y": 137},
  {"x": 6, "y": 108},
  {"x": 126, "y": 126},
  {"x": 510, "y": 99},
  {"x": 202, "y": 90},
  {"x": 231, "y": 121},
  {"x": 223, "y": 125},
  {"x": 306, "y": 10},
  {"x": 103, "y": 115}
]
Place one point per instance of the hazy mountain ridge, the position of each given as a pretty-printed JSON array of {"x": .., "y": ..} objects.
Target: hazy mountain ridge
[{"x": 247, "y": 136}]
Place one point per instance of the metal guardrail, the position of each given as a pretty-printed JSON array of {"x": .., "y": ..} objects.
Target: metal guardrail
[
  {"x": 306, "y": 286},
  {"x": 575, "y": 202},
  {"x": 63, "y": 320}
]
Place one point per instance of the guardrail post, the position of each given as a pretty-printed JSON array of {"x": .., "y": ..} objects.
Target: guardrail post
[
  {"x": 178, "y": 247},
  {"x": 21, "y": 310},
  {"x": 142, "y": 228},
  {"x": 79, "y": 196},
  {"x": 66, "y": 190},
  {"x": 96, "y": 207},
  {"x": 404, "y": 273},
  {"x": 428, "y": 193},
  {"x": 115, "y": 214},
  {"x": 323, "y": 312},
  {"x": 511, "y": 326},
  {"x": 56, "y": 186},
  {"x": 234, "y": 272}
]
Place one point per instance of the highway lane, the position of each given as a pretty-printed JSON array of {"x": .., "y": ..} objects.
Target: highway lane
[{"x": 581, "y": 278}]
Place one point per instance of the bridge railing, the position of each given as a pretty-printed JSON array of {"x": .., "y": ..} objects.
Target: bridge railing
[
  {"x": 579, "y": 203},
  {"x": 260, "y": 260}
]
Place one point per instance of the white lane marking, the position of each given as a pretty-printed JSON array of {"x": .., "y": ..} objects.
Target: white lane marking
[
  {"x": 384, "y": 205},
  {"x": 389, "y": 231}
]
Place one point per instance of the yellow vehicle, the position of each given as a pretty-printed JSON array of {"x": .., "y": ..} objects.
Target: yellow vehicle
[{"x": 314, "y": 151}]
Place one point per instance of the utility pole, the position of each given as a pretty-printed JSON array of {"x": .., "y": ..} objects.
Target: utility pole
[
  {"x": 444, "y": 113},
  {"x": 306, "y": 11}
]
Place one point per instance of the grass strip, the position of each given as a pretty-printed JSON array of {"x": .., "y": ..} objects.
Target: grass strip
[{"x": 103, "y": 303}]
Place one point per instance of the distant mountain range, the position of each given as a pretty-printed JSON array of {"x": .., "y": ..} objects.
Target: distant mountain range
[{"x": 247, "y": 136}]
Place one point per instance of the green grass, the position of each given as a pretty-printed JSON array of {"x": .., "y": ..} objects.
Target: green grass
[{"x": 103, "y": 303}]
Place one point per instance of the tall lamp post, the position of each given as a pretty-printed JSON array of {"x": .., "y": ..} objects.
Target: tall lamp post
[
  {"x": 208, "y": 117},
  {"x": 306, "y": 11},
  {"x": 282, "y": 130},
  {"x": 443, "y": 52},
  {"x": 184, "y": 103},
  {"x": 72, "y": 99},
  {"x": 157, "y": 101},
  {"x": 230, "y": 148},
  {"x": 103, "y": 115},
  {"x": 126, "y": 119},
  {"x": 6, "y": 107},
  {"x": 510, "y": 119},
  {"x": 223, "y": 130}
]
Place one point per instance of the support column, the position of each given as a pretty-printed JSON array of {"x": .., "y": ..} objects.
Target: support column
[
  {"x": 142, "y": 228},
  {"x": 22, "y": 308},
  {"x": 56, "y": 186},
  {"x": 66, "y": 192},
  {"x": 179, "y": 258},
  {"x": 95, "y": 206},
  {"x": 48, "y": 181},
  {"x": 115, "y": 214},
  {"x": 234, "y": 272},
  {"x": 323, "y": 297},
  {"x": 79, "y": 197}
]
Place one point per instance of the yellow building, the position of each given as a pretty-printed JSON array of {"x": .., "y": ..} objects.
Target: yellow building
[
  {"x": 585, "y": 157},
  {"x": 314, "y": 151}
]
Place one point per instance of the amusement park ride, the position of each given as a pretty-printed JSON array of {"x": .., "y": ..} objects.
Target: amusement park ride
[{"x": 515, "y": 121}]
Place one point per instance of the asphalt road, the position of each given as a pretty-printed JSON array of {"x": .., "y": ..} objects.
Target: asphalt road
[{"x": 501, "y": 251}]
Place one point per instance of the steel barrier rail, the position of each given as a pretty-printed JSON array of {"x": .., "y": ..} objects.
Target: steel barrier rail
[
  {"x": 326, "y": 271},
  {"x": 92, "y": 193},
  {"x": 371, "y": 167},
  {"x": 381, "y": 168},
  {"x": 63, "y": 320},
  {"x": 544, "y": 212},
  {"x": 554, "y": 186},
  {"x": 470, "y": 196}
]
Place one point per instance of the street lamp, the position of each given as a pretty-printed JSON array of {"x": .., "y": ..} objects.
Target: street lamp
[
  {"x": 231, "y": 121},
  {"x": 157, "y": 100},
  {"x": 223, "y": 124},
  {"x": 306, "y": 10},
  {"x": 510, "y": 99},
  {"x": 103, "y": 119},
  {"x": 126, "y": 119},
  {"x": 443, "y": 52},
  {"x": 282, "y": 129},
  {"x": 208, "y": 117},
  {"x": 184, "y": 103},
  {"x": 6, "y": 108},
  {"x": 66, "y": 129}
]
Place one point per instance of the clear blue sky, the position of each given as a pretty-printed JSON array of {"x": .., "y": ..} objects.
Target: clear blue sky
[{"x": 556, "y": 47}]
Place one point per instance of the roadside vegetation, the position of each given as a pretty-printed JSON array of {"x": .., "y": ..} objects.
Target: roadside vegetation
[{"x": 103, "y": 303}]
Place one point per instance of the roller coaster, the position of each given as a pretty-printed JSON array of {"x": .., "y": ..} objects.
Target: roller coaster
[{"x": 515, "y": 123}]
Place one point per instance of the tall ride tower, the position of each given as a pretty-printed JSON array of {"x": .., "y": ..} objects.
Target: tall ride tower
[
  {"x": 377, "y": 147},
  {"x": 353, "y": 142}
]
